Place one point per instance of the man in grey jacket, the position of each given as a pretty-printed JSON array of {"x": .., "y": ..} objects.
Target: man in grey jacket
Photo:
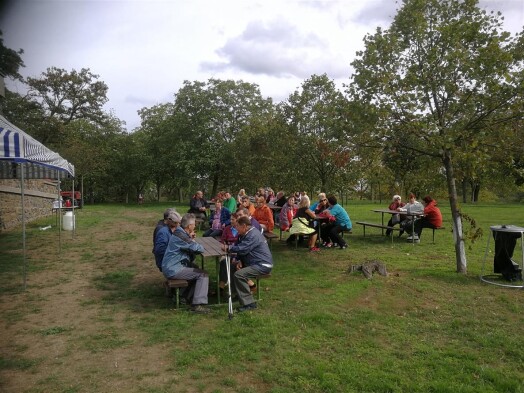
[{"x": 255, "y": 260}]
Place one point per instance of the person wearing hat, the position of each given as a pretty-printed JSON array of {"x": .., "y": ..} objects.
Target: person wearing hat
[
  {"x": 177, "y": 263},
  {"x": 395, "y": 204},
  {"x": 162, "y": 236}
]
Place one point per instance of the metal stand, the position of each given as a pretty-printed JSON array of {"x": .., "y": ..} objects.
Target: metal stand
[{"x": 497, "y": 279}]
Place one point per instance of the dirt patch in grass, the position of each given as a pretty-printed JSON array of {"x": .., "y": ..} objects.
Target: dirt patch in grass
[{"x": 60, "y": 334}]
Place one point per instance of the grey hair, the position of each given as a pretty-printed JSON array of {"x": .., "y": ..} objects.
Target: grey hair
[
  {"x": 167, "y": 211},
  {"x": 187, "y": 220}
]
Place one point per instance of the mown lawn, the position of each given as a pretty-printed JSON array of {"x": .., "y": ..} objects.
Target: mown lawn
[{"x": 94, "y": 317}]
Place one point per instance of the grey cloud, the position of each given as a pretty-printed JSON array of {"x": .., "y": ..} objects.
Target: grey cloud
[
  {"x": 381, "y": 12},
  {"x": 278, "y": 49}
]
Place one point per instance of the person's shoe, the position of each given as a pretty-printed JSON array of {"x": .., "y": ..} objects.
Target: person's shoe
[
  {"x": 200, "y": 309},
  {"x": 328, "y": 245},
  {"x": 253, "y": 288},
  {"x": 314, "y": 249},
  {"x": 247, "y": 307},
  {"x": 344, "y": 247}
]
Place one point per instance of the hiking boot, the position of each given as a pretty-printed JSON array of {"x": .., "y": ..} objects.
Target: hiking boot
[
  {"x": 247, "y": 307},
  {"x": 199, "y": 309}
]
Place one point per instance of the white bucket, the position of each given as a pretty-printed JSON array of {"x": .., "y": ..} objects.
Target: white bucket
[{"x": 69, "y": 221}]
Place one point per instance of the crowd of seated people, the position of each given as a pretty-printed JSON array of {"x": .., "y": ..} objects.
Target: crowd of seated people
[{"x": 239, "y": 223}]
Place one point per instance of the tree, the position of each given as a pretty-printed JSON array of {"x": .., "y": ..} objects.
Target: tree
[
  {"x": 209, "y": 117},
  {"x": 317, "y": 116},
  {"x": 10, "y": 61},
  {"x": 66, "y": 96},
  {"x": 450, "y": 77}
]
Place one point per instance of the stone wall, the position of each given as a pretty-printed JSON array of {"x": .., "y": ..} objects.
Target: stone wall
[{"x": 38, "y": 199}]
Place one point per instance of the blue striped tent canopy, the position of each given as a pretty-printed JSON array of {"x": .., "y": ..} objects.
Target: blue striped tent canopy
[{"x": 19, "y": 147}]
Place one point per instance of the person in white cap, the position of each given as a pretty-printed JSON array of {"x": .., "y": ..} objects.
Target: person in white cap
[
  {"x": 395, "y": 218},
  {"x": 162, "y": 236}
]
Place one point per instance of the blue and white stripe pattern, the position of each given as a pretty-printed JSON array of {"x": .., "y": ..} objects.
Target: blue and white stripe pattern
[{"x": 16, "y": 145}]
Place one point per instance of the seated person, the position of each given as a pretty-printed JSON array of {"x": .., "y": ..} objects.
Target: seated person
[
  {"x": 180, "y": 254},
  {"x": 198, "y": 205},
  {"x": 280, "y": 199},
  {"x": 432, "y": 217},
  {"x": 163, "y": 235},
  {"x": 321, "y": 205},
  {"x": 229, "y": 202},
  {"x": 220, "y": 218},
  {"x": 230, "y": 236},
  {"x": 413, "y": 207},
  {"x": 395, "y": 204},
  {"x": 162, "y": 223},
  {"x": 244, "y": 212},
  {"x": 330, "y": 232},
  {"x": 287, "y": 213},
  {"x": 246, "y": 203},
  {"x": 303, "y": 223},
  {"x": 263, "y": 214},
  {"x": 255, "y": 259}
]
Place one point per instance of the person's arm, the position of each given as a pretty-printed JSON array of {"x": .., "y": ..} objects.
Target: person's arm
[
  {"x": 161, "y": 242},
  {"x": 310, "y": 213},
  {"x": 226, "y": 217}
]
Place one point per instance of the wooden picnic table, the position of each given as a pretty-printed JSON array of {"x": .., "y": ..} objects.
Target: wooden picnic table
[
  {"x": 388, "y": 211},
  {"x": 212, "y": 248}
]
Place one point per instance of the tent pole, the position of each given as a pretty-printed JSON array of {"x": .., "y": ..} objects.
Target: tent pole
[
  {"x": 73, "y": 206},
  {"x": 23, "y": 224},
  {"x": 59, "y": 216}
]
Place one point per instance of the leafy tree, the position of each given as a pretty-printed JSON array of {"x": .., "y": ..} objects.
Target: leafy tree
[
  {"x": 66, "y": 96},
  {"x": 209, "y": 117},
  {"x": 317, "y": 114},
  {"x": 449, "y": 76},
  {"x": 10, "y": 61}
]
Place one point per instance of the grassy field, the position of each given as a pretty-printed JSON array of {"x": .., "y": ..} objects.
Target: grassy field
[{"x": 94, "y": 317}]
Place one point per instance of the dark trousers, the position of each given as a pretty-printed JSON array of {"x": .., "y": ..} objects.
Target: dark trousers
[
  {"x": 422, "y": 223},
  {"x": 331, "y": 232}
]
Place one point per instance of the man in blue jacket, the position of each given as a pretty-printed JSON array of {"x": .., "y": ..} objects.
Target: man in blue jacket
[
  {"x": 177, "y": 263},
  {"x": 255, "y": 260}
]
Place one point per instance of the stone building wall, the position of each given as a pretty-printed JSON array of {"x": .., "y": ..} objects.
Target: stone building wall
[{"x": 38, "y": 199}]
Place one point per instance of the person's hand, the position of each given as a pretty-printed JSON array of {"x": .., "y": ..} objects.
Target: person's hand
[
  {"x": 225, "y": 247},
  {"x": 192, "y": 235},
  {"x": 239, "y": 266}
]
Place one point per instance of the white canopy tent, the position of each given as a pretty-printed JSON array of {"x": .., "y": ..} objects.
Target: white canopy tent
[{"x": 23, "y": 157}]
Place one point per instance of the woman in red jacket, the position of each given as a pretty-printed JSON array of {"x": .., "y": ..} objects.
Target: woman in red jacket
[
  {"x": 432, "y": 216},
  {"x": 395, "y": 218}
]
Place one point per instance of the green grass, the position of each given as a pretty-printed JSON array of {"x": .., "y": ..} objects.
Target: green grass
[{"x": 318, "y": 328}]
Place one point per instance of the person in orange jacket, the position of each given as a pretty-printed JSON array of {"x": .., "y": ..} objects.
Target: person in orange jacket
[{"x": 263, "y": 214}]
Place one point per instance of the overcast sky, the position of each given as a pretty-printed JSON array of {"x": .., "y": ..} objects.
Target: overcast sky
[{"x": 145, "y": 49}]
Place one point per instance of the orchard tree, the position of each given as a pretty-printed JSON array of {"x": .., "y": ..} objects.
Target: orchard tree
[
  {"x": 209, "y": 117},
  {"x": 67, "y": 96},
  {"x": 10, "y": 61},
  {"x": 447, "y": 73},
  {"x": 316, "y": 114}
]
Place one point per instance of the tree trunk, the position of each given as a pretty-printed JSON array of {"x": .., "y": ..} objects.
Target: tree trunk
[
  {"x": 464, "y": 191},
  {"x": 458, "y": 236}
]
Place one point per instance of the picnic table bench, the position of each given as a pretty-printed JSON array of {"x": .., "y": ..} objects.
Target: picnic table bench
[{"x": 376, "y": 225}]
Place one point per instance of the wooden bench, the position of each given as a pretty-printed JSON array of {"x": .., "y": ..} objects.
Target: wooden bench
[
  {"x": 258, "y": 278},
  {"x": 375, "y": 225},
  {"x": 176, "y": 285},
  {"x": 269, "y": 237}
]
